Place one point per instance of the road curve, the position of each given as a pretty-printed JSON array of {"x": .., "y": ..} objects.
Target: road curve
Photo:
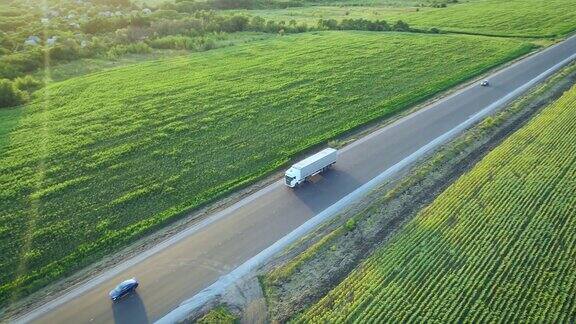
[{"x": 181, "y": 267}]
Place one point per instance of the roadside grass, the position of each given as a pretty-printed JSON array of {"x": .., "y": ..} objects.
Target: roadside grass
[
  {"x": 106, "y": 158},
  {"x": 495, "y": 246},
  {"x": 513, "y": 18},
  {"x": 218, "y": 315}
]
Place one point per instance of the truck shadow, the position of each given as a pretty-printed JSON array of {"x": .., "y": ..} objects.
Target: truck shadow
[
  {"x": 130, "y": 309},
  {"x": 325, "y": 189}
]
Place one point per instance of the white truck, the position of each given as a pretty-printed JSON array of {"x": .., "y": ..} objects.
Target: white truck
[{"x": 303, "y": 170}]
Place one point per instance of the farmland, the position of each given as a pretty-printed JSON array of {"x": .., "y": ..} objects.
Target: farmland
[
  {"x": 496, "y": 246},
  {"x": 100, "y": 160},
  {"x": 527, "y": 18},
  {"x": 68, "y": 70}
]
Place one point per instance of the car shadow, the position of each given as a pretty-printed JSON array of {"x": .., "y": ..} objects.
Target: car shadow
[
  {"x": 130, "y": 309},
  {"x": 326, "y": 188}
]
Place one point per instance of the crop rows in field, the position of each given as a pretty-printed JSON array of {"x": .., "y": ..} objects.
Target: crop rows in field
[
  {"x": 526, "y": 18},
  {"x": 101, "y": 160},
  {"x": 499, "y": 245}
]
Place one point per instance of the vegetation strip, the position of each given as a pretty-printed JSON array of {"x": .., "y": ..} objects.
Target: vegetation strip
[{"x": 220, "y": 315}]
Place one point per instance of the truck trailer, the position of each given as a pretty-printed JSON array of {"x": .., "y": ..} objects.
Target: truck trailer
[{"x": 305, "y": 169}]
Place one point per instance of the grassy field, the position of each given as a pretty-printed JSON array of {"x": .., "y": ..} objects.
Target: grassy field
[
  {"x": 100, "y": 160},
  {"x": 528, "y": 18},
  {"x": 380, "y": 3},
  {"x": 496, "y": 246},
  {"x": 85, "y": 66}
]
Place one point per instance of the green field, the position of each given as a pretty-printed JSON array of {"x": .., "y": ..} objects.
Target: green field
[
  {"x": 496, "y": 246},
  {"x": 84, "y": 66},
  {"x": 528, "y": 18},
  {"x": 100, "y": 160}
]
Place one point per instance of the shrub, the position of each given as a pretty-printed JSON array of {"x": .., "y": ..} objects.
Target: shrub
[
  {"x": 15, "y": 65},
  {"x": 208, "y": 44},
  {"x": 330, "y": 24},
  {"x": 100, "y": 25},
  {"x": 232, "y": 4},
  {"x": 401, "y": 26},
  {"x": 258, "y": 23},
  {"x": 114, "y": 3},
  {"x": 169, "y": 14},
  {"x": 165, "y": 27},
  {"x": 356, "y": 24},
  {"x": 351, "y": 224},
  {"x": 97, "y": 46},
  {"x": 173, "y": 42},
  {"x": 133, "y": 34},
  {"x": 140, "y": 21},
  {"x": 363, "y": 24},
  {"x": 235, "y": 23},
  {"x": 137, "y": 48},
  {"x": 28, "y": 83},
  {"x": 187, "y": 6},
  {"x": 10, "y": 96},
  {"x": 64, "y": 52},
  {"x": 220, "y": 314},
  {"x": 9, "y": 71}
]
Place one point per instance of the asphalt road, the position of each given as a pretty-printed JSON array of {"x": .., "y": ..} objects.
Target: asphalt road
[{"x": 233, "y": 236}]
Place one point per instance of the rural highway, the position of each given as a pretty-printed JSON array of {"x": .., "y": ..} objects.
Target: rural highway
[{"x": 226, "y": 240}]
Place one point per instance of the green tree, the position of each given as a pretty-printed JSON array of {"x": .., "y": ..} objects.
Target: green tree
[
  {"x": 28, "y": 83},
  {"x": 17, "y": 64},
  {"x": 330, "y": 24},
  {"x": 68, "y": 50},
  {"x": 401, "y": 26},
  {"x": 114, "y": 3},
  {"x": 258, "y": 23},
  {"x": 98, "y": 25}
]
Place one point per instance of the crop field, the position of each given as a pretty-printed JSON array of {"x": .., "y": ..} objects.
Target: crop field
[
  {"x": 100, "y": 160},
  {"x": 76, "y": 68},
  {"x": 381, "y": 3},
  {"x": 497, "y": 246},
  {"x": 527, "y": 18}
]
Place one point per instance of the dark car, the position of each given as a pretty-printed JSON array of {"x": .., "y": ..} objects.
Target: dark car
[
  {"x": 485, "y": 83},
  {"x": 124, "y": 288}
]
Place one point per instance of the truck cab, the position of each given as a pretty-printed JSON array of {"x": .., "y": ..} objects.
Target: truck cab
[{"x": 291, "y": 177}]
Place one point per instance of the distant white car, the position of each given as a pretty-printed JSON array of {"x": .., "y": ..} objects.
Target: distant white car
[{"x": 485, "y": 83}]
